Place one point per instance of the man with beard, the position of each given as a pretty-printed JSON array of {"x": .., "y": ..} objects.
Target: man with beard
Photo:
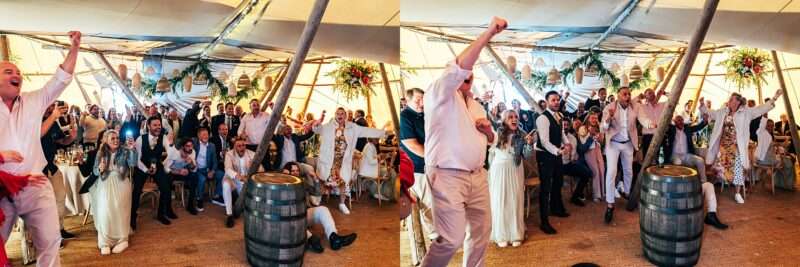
[
  {"x": 229, "y": 118},
  {"x": 150, "y": 147},
  {"x": 92, "y": 125}
]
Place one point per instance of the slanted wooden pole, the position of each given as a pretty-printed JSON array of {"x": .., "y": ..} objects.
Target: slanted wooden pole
[
  {"x": 392, "y": 107},
  {"x": 311, "y": 90},
  {"x": 703, "y": 81},
  {"x": 786, "y": 102},
  {"x": 419, "y": 237},
  {"x": 272, "y": 93},
  {"x": 304, "y": 44},
  {"x": 274, "y": 88},
  {"x": 674, "y": 95},
  {"x": 672, "y": 70},
  {"x": 5, "y": 50},
  {"x": 517, "y": 85},
  {"x": 760, "y": 95},
  {"x": 124, "y": 87}
]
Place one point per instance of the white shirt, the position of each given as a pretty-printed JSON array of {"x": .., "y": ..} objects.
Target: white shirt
[
  {"x": 764, "y": 140},
  {"x": 573, "y": 155},
  {"x": 235, "y": 165},
  {"x": 201, "y": 155},
  {"x": 648, "y": 114},
  {"x": 289, "y": 154},
  {"x": 451, "y": 139},
  {"x": 369, "y": 161},
  {"x": 20, "y": 127},
  {"x": 622, "y": 135},
  {"x": 254, "y": 127},
  {"x": 679, "y": 146},
  {"x": 543, "y": 130},
  {"x": 173, "y": 156},
  {"x": 152, "y": 139}
]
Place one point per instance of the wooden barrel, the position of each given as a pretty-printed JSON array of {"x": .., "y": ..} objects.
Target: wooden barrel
[
  {"x": 671, "y": 215},
  {"x": 275, "y": 220}
]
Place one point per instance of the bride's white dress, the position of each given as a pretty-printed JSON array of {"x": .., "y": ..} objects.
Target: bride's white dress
[
  {"x": 111, "y": 205},
  {"x": 506, "y": 191}
]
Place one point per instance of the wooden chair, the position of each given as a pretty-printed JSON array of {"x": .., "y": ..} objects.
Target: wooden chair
[
  {"x": 150, "y": 189},
  {"x": 179, "y": 189},
  {"x": 381, "y": 179},
  {"x": 86, "y": 214},
  {"x": 758, "y": 168},
  {"x": 530, "y": 186}
]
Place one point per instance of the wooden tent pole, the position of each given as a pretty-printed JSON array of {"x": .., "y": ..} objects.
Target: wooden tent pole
[
  {"x": 311, "y": 90},
  {"x": 703, "y": 81},
  {"x": 304, "y": 44},
  {"x": 278, "y": 84},
  {"x": 389, "y": 98},
  {"x": 517, "y": 85},
  {"x": 273, "y": 87},
  {"x": 760, "y": 96},
  {"x": 672, "y": 70},
  {"x": 674, "y": 95},
  {"x": 369, "y": 103},
  {"x": 786, "y": 102},
  {"x": 5, "y": 50},
  {"x": 125, "y": 90}
]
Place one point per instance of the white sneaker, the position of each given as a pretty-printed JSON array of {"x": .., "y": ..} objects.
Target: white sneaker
[
  {"x": 738, "y": 198},
  {"x": 516, "y": 244},
  {"x": 105, "y": 251},
  {"x": 616, "y": 194},
  {"x": 502, "y": 244},
  {"x": 119, "y": 248},
  {"x": 344, "y": 209},
  {"x": 381, "y": 197}
]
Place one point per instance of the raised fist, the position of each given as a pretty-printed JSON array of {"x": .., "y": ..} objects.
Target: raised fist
[
  {"x": 497, "y": 25},
  {"x": 75, "y": 39}
]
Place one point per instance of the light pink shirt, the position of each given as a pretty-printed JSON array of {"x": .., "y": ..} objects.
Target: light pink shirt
[
  {"x": 20, "y": 127},
  {"x": 451, "y": 139},
  {"x": 254, "y": 127},
  {"x": 647, "y": 114}
]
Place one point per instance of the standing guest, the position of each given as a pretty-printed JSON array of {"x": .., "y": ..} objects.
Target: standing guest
[
  {"x": 182, "y": 166},
  {"x": 52, "y": 138},
  {"x": 550, "y": 150},
  {"x": 22, "y": 153},
  {"x": 220, "y": 109},
  {"x": 579, "y": 113},
  {"x": 350, "y": 116},
  {"x": 687, "y": 113},
  {"x": 412, "y": 141},
  {"x": 92, "y": 124},
  {"x": 506, "y": 183},
  {"x": 239, "y": 112},
  {"x": 163, "y": 110},
  {"x": 254, "y": 126},
  {"x": 113, "y": 122},
  {"x": 175, "y": 124},
  {"x": 133, "y": 121},
  {"x": 648, "y": 115},
  {"x": 206, "y": 158},
  {"x": 190, "y": 121},
  {"x": 619, "y": 124},
  {"x": 782, "y": 128},
  {"x": 754, "y": 122},
  {"x": 360, "y": 120},
  {"x": 590, "y": 134},
  {"x": 237, "y": 162},
  {"x": 574, "y": 163},
  {"x": 151, "y": 147},
  {"x": 454, "y": 166},
  {"x": 729, "y": 138},
  {"x": 403, "y": 103},
  {"x": 288, "y": 147},
  {"x": 337, "y": 144},
  {"x": 223, "y": 143},
  {"x": 111, "y": 195},
  {"x": 229, "y": 118},
  {"x": 205, "y": 120},
  {"x": 599, "y": 101}
]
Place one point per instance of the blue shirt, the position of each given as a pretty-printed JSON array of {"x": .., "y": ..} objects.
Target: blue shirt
[{"x": 412, "y": 126}]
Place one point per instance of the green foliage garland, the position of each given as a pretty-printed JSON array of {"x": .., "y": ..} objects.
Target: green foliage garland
[{"x": 218, "y": 89}]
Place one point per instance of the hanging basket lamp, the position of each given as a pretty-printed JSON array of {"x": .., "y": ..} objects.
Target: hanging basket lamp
[
  {"x": 553, "y": 76},
  {"x": 526, "y": 72},
  {"x": 122, "y": 70},
  {"x": 187, "y": 83},
  {"x": 660, "y": 74},
  {"x": 200, "y": 79},
  {"x": 539, "y": 63},
  {"x": 636, "y": 72},
  {"x": 163, "y": 85},
  {"x": 136, "y": 81},
  {"x": 244, "y": 81},
  {"x": 579, "y": 75},
  {"x": 232, "y": 89},
  {"x": 511, "y": 63}
]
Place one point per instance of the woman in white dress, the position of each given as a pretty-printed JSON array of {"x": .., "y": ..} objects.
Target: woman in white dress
[
  {"x": 506, "y": 182},
  {"x": 111, "y": 194}
]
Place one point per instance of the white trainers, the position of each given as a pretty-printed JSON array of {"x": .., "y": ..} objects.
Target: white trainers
[
  {"x": 738, "y": 198},
  {"x": 105, "y": 251},
  {"x": 381, "y": 197},
  {"x": 119, "y": 248},
  {"x": 616, "y": 194},
  {"x": 516, "y": 243},
  {"x": 502, "y": 244},
  {"x": 344, "y": 209}
]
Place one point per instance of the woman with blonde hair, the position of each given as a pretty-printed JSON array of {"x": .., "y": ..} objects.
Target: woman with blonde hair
[
  {"x": 506, "y": 182},
  {"x": 590, "y": 133},
  {"x": 111, "y": 194}
]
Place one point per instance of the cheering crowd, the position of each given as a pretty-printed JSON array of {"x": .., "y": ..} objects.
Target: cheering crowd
[
  {"x": 208, "y": 155},
  {"x": 471, "y": 156}
]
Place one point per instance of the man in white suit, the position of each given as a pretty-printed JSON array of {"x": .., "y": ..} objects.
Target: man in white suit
[{"x": 619, "y": 123}]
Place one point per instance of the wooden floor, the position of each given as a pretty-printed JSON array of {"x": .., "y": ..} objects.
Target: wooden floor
[
  {"x": 203, "y": 240},
  {"x": 765, "y": 231}
]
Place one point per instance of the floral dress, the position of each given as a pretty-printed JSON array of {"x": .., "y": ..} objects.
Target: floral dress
[
  {"x": 338, "y": 156},
  {"x": 729, "y": 152}
]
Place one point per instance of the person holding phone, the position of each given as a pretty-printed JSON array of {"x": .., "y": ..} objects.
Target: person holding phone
[
  {"x": 111, "y": 194},
  {"x": 52, "y": 139}
]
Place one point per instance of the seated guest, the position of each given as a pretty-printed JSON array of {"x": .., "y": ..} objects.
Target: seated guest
[
  {"x": 288, "y": 145},
  {"x": 237, "y": 161},
  {"x": 769, "y": 153},
  {"x": 254, "y": 125},
  {"x": 150, "y": 148},
  {"x": 206, "y": 163},
  {"x": 190, "y": 123},
  {"x": 111, "y": 194},
  {"x": 222, "y": 142},
  {"x": 574, "y": 163},
  {"x": 181, "y": 165},
  {"x": 681, "y": 152},
  {"x": 319, "y": 215},
  {"x": 371, "y": 167}
]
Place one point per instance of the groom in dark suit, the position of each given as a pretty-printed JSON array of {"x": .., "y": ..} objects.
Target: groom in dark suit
[{"x": 229, "y": 118}]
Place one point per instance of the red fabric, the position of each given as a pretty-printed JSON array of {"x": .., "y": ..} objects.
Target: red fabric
[
  {"x": 406, "y": 174},
  {"x": 10, "y": 185}
]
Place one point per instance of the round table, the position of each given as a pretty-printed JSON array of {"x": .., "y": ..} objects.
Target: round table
[{"x": 73, "y": 180}]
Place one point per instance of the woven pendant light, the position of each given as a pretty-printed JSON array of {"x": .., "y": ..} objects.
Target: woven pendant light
[
  {"x": 232, "y": 89},
  {"x": 223, "y": 76},
  {"x": 660, "y": 74},
  {"x": 187, "y": 83},
  {"x": 163, "y": 85},
  {"x": 578, "y": 75},
  {"x": 136, "y": 81},
  {"x": 553, "y": 76},
  {"x": 526, "y": 72},
  {"x": 511, "y": 63},
  {"x": 150, "y": 71},
  {"x": 244, "y": 81},
  {"x": 636, "y": 72},
  {"x": 122, "y": 70},
  {"x": 539, "y": 63},
  {"x": 268, "y": 82},
  {"x": 566, "y": 64},
  {"x": 614, "y": 67},
  {"x": 592, "y": 71},
  {"x": 200, "y": 79},
  {"x": 175, "y": 73},
  {"x": 624, "y": 82}
]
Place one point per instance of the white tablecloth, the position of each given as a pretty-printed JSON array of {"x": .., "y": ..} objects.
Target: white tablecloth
[{"x": 73, "y": 180}]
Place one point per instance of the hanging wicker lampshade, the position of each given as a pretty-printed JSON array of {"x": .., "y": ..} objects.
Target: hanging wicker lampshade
[
  {"x": 615, "y": 67},
  {"x": 187, "y": 83},
  {"x": 223, "y": 76},
  {"x": 122, "y": 70},
  {"x": 539, "y": 63},
  {"x": 268, "y": 82},
  {"x": 660, "y": 74},
  {"x": 163, "y": 85},
  {"x": 136, "y": 81},
  {"x": 636, "y": 72},
  {"x": 578, "y": 75},
  {"x": 175, "y": 73},
  {"x": 511, "y": 63},
  {"x": 624, "y": 81},
  {"x": 232, "y": 89},
  {"x": 200, "y": 79},
  {"x": 553, "y": 76},
  {"x": 244, "y": 81},
  {"x": 526, "y": 72},
  {"x": 592, "y": 71},
  {"x": 566, "y": 64},
  {"x": 150, "y": 71}
]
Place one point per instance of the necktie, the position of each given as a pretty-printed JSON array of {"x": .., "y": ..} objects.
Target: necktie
[{"x": 228, "y": 122}]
